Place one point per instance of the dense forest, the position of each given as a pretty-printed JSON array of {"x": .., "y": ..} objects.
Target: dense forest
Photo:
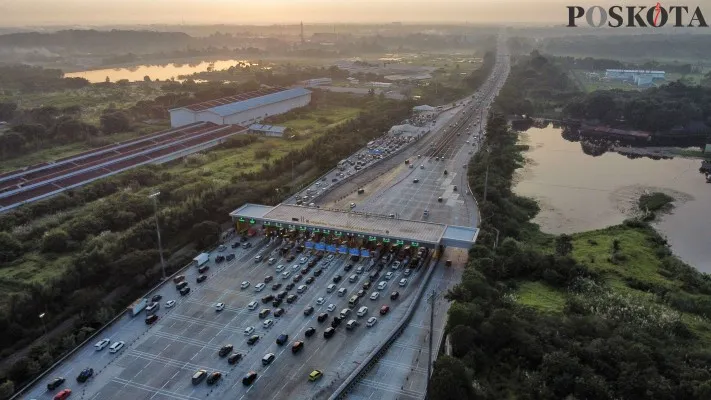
[{"x": 627, "y": 320}]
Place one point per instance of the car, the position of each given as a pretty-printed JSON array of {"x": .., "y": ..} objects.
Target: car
[
  {"x": 248, "y": 330},
  {"x": 290, "y": 258},
  {"x": 352, "y": 324},
  {"x": 359, "y": 270},
  {"x": 353, "y": 205},
  {"x": 329, "y": 332},
  {"x": 415, "y": 180},
  {"x": 309, "y": 280},
  {"x": 360, "y": 293},
  {"x": 85, "y": 374},
  {"x": 280, "y": 267},
  {"x": 268, "y": 323},
  {"x": 249, "y": 378},
  {"x": 213, "y": 378},
  {"x": 268, "y": 278},
  {"x": 219, "y": 306},
  {"x": 258, "y": 258},
  {"x": 331, "y": 307},
  {"x": 297, "y": 279},
  {"x": 310, "y": 331},
  {"x": 221, "y": 248},
  {"x": 337, "y": 278},
  {"x": 55, "y": 383},
  {"x": 234, "y": 358},
  {"x": 282, "y": 294},
  {"x": 279, "y": 312},
  {"x": 246, "y": 245},
  {"x": 116, "y": 346},
  {"x": 308, "y": 311},
  {"x": 151, "y": 319},
  {"x": 366, "y": 285},
  {"x": 101, "y": 344},
  {"x": 304, "y": 271},
  {"x": 384, "y": 309},
  {"x": 315, "y": 375},
  {"x": 319, "y": 271},
  {"x": 199, "y": 376},
  {"x": 64, "y": 394},
  {"x": 371, "y": 322},
  {"x": 336, "y": 321},
  {"x": 219, "y": 259},
  {"x": 289, "y": 286},
  {"x": 259, "y": 287},
  {"x": 382, "y": 285},
  {"x": 295, "y": 267},
  {"x": 320, "y": 301},
  {"x": 330, "y": 288},
  {"x": 396, "y": 265},
  {"x": 156, "y": 298},
  {"x": 225, "y": 350},
  {"x": 301, "y": 289},
  {"x": 266, "y": 299},
  {"x": 169, "y": 303},
  {"x": 291, "y": 298},
  {"x": 276, "y": 286},
  {"x": 283, "y": 338},
  {"x": 297, "y": 346},
  {"x": 253, "y": 339},
  {"x": 394, "y": 295},
  {"x": 407, "y": 272},
  {"x": 252, "y": 305},
  {"x": 389, "y": 275},
  {"x": 244, "y": 285},
  {"x": 303, "y": 260},
  {"x": 348, "y": 267},
  {"x": 322, "y": 317},
  {"x": 201, "y": 278},
  {"x": 403, "y": 282},
  {"x": 235, "y": 245},
  {"x": 422, "y": 166},
  {"x": 268, "y": 358}
]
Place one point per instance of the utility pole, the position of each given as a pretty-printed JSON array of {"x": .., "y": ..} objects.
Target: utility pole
[
  {"x": 154, "y": 196},
  {"x": 431, "y": 299}
]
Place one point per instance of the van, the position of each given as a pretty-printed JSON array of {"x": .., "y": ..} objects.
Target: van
[
  {"x": 330, "y": 288},
  {"x": 353, "y": 300},
  {"x": 101, "y": 344},
  {"x": 345, "y": 312},
  {"x": 362, "y": 311},
  {"x": 116, "y": 347},
  {"x": 181, "y": 285},
  {"x": 341, "y": 292},
  {"x": 353, "y": 278}
]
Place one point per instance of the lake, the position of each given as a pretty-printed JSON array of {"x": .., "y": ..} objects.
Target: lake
[
  {"x": 157, "y": 71},
  {"x": 578, "y": 192}
]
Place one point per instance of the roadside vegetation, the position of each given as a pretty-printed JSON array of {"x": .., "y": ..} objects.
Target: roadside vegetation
[{"x": 606, "y": 314}]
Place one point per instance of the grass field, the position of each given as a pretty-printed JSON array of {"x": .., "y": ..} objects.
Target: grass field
[{"x": 541, "y": 297}]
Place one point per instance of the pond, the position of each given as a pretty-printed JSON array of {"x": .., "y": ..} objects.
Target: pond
[
  {"x": 578, "y": 192},
  {"x": 157, "y": 71}
]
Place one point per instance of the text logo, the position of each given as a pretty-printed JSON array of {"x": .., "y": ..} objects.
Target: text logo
[{"x": 655, "y": 16}]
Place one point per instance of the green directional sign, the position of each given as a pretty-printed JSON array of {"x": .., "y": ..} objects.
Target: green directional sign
[
  {"x": 252, "y": 221},
  {"x": 316, "y": 230},
  {"x": 292, "y": 227},
  {"x": 326, "y": 231},
  {"x": 337, "y": 233},
  {"x": 372, "y": 238},
  {"x": 267, "y": 223},
  {"x": 415, "y": 244},
  {"x": 399, "y": 242},
  {"x": 386, "y": 240},
  {"x": 278, "y": 224},
  {"x": 302, "y": 228},
  {"x": 241, "y": 219}
]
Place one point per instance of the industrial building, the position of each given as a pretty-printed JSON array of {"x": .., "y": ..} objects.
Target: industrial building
[
  {"x": 639, "y": 77},
  {"x": 317, "y": 82},
  {"x": 242, "y": 109},
  {"x": 267, "y": 130}
]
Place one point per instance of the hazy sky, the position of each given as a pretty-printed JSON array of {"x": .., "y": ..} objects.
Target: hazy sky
[{"x": 100, "y": 12}]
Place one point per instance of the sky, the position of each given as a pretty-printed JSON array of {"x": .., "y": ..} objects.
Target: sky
[{"x": 104, "y": 12}]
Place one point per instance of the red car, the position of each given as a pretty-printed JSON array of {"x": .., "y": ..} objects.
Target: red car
[
  {"x": 384, "y": 310},
  {"x": 63, "y": 394}
]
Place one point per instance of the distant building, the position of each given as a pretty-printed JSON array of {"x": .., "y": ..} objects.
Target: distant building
[
  {"x": 637, "y": 76},
  {"x": 242, "y": 109},
  {"x": 268, "y": 130},
  {"x": 317, "y": 82},
  {"x": 380, "y": 84},
  {"x": 423, "y": 109}
]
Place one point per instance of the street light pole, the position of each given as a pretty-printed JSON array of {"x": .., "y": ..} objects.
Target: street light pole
[
  {"x": 430, "y": 300},
  {"x": 44, "y": 327},
  {"x": 154, "y": 196}
]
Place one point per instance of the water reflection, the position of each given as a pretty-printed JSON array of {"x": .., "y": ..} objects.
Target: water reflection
[
  {"x": 583, "y": 186},
  {"x": 157, "y": 71}
]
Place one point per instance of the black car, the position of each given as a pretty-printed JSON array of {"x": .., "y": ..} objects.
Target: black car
[
  {"x": 219, "y": 259},
  {"x": 203, "y": 269},
  {"x": 297, "y": 279},
  {"x": 253, "y": 339},
  {"x": 225, "y": 350},
  {"x": 394, "y": 295},
  {"x": 322, "y": 317},
  {"x": 277, "y": 302},
  {"x": 181, "y": 285},
  {"x": 289, "y": 286},
  {"x": 184, "y": 291},
  {"x": 55, "y": 383},
  {"x": 297, "y": 346},
  {"x": 310, "y": 332},
  {"x": 266, "y": 299},
  {"x": 366, "y": 285},
  {"x": 235, "y": 245},
  {"x": 201, "y": 278},
  {"x": 348, "y": 267},
  {"x": 283, "y": 338},
  {"x": 230, "y": 257},
  {"x": 337, "y": 278},
  {"x": 156, "y": 298},
  {"x": 276, "y": 286},
  {"x": 308, "y": 311},
  {"x": 234, "y": 358},
  {"x": 151, "y": 319},
  {"x": 279, "y": 312},
  {"x": 243, "y": 238},
  {"x": 336, "y": 321},
  {"x": 249, "y": 378},
  {"x": 309, "y": 280},
  {"x": 291, "y": 298},
  {"x": 214, "y": 377},
  {"x": 318, "y": 272},
  {"x": 85, "y": 374},
  {"x": 328, "y": 332},
  {"x": 290, "y": 258},
  {"x": 304, "y": 271},
  {"x": 268, "y": 278},
  {"x": 282, "y": 294}
]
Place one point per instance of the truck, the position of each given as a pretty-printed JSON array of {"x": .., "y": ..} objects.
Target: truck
[
  {"x": 138, "y": 306},
  {"x": 201, "y": 259}
]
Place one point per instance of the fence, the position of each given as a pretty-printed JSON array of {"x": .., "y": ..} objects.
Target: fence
[{"x": 343, "y": 390}]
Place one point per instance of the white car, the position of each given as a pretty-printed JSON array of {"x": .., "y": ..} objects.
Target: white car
[
  {"x": 301, "y": 289},
  {"x": 219, "y": 306},
  {"x": 285, "y": 274},
  {"x": 169, "y": 303},
  {"x": 329, "y": 257},
  {"x": 222, "y": 247},
  {"x": 371, "y": 321},
  {"x": 320, "y": 300},
  {"x": 331, "y": 307},
  {"x": 244, "y": 285},
  {"x": 280, "y": 268},
  {"x": 268, "y": 323},
  {"x": 252, "y": 305},
  {"x": 295, "y": 267},
  {"x": 248, "y": 331},
  {"x": 303, "y": 260},
  {"x": 116, "y": 347},
  {"x": 408, "y": 271},
  {"x": 374, "y": 295},
  {"x": 382, "y": 285},
  {"x": 389, "y": 275},
  {"x": 403, "y": 282},
  {"x": 259, "y": 287},
  {"x": 101, "y": 344},
  {"x": 396, "y": 264}
]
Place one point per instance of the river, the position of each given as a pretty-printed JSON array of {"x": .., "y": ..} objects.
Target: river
[
  {"x": 157, "y": 71},
  {"x": 578, "y": 192}
]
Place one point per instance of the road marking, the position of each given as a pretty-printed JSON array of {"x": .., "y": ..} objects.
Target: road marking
[{"x": 148, "y": 388}]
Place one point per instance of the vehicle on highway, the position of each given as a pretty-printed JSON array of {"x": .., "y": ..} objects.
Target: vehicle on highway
[
  {"x": 85, "y": 374},
  {"x": 331, "y": 307},
  {"x": 116, "y": 347},
  {"x": 403, "y": 282},
  {"x": 353, "y": 278},
  {"x": 295, "y": 267},
  {"x": 258, "y": 258},
  {"x": 203, "y": 269},
  {"x": 301, "y": 289},
  {"x": 290, "y": 258},
  {"x": 455, "y": 188},
  {"x": 201, "y": 278},
  {"x": 264, "y": 313},
  {"x": 282, "y": 294},
  {"x": 285, "y": 274},
  {"x": 341, "y": 292},
  {"x": 439, "y": 199},
  {"x": 362, "y": 311},
  {"x": 348, "y": 267},
  {"x": 319, "y": 271},
  {"x": 337, "y": 278},
  {"x": 366, "y": 285},
  {"x": 271, "y": 261},
  {"x": 407, "y": 272},
  {"x": 246, "y": 245},
  {"x": 345, "y": 312},
  {"x": 352, "y": 324},
  {"x": 308, "y": 311},
  {"x": 101, "y": 344},
  {"x": 353, "y": 205},
  {"x": 213, "y": 378},
  {"x": 279, "y": 312},
  {"x": 426, "y": 213},
  {"x": 178, "y": 279},
  {"x": 280, "y": 267},
  {"x": 219, "y": 259},
  {"x": 184, "y": 291},
  {"x": 276, "y": 286},
  {"x": 253, "y": 339},
  {"x": 384, "y": 309},
  {"x": 309, "y": 280},
  {"x": 266, "y": 299},
  {"x": 225, "y": 350},
  {"x": 415, "y": 180},
  {"x": 181, "y": 285},
  {"x": 249, "y": 378},
  {"x": 303, "y": 260},
  {"x": 221, "y": 248},
  {"x": 248, "y": 330},
  {"x": 396, "y": 265},
  {"x": 329, "y": 332},
  {"x": 156, "y": 298},
  {"x": 309, "y": 331},
  {"x": 315, "y": 375},
  {"x": 320, "y": 301},
  {"x": 322, "y": 317},
  {"x": 382, "y": 285},
  {"x": 199, "y": 376},
  {"x": 291, "y": 298},
  {"x": 259, "y": 287},
  {"x": 268, "y": 278},
  {"x": 64, "y": 394},
  {"x": 268, "y": 358},
  {"x": 330, "y": 288},
  {"x": 394, "y": 295},
  {"x": 360, "y": 293},
  {"x": 219, "y": 307},
  {"x": 371, "y": 321},
  {"x": 151, "y": 319},
  {"x": 169, "y": 303},
  {"x": 235, "y": 245},
  {"x": 252, "y": 305},
  {"x": 297, "y": 279},
  {"x": 234, "y": 358},
  {"x": 55, "y": 383},
  {"x": 283, "y": 338},
  {"x": 297, "y": 346},
  {"x": 422, "y": 167},
  {"x": 359, "y": 270},
  {"x": 289, "y": 286}
]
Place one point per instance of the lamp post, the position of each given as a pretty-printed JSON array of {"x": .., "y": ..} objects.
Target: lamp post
[
  {"x": 431, "y": 299},
  {"x": 44, "y": 327},
  {"x": 154, "y": 196}
]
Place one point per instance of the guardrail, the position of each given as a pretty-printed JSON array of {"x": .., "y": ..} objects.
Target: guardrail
[
  {"x": 343, "y": 390},
  {"x": 94, "y": 335}
]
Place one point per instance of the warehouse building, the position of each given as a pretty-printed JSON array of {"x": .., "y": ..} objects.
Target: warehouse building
[
  {"x": 267, "y": 130},
  {"x": 639, "y": 77},
  {"x": 242, "y": 109}
]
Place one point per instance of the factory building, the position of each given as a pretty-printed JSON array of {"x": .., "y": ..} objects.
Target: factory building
[
  {"x": 317, "y": 82},
  {"x": 639, "y": 77},
  {"x": 242, "y": 109}
]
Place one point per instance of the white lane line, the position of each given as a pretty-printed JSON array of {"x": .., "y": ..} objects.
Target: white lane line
[{"x": 152, "y": 389}]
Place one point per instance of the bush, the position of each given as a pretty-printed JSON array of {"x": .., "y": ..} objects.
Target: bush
[{"x": 55, "y": 241}]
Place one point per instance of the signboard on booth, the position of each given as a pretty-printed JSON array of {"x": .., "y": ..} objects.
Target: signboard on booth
[
  {"x": 309, "y": 244},
  {"x": 343, "y": 249},
  {"x": 364, "y": 253},
  {"x": 331, "y": 248},
  {"x": 320, "y": 246},
  {"x": 354, "y": 252}
]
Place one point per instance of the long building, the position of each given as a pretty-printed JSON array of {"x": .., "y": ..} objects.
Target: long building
[
  {"x": 242, "y": 109},
  {"x": 639, "y": 77}
]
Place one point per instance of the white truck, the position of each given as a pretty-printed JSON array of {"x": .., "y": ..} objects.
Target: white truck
[
  {"x": 138, "y": 306},
  {"x": 201, "y": 259}
]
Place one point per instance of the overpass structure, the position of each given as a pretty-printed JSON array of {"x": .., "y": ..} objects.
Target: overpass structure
[{"x": 334, "y": 228}]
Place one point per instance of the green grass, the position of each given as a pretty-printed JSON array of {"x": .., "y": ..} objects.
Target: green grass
[
  {"x": 540, "y": 296},
  {"x": 692, "y": 153},
  {"x": 330, "y": 117}
]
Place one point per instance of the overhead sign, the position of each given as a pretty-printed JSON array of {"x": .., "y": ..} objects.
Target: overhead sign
[
  {"x": 241, "y": 219},
  {"x": 326, "y": 231},
  {"x": 399, "y": 242},
  {"x": 354, "y": 252},
  {"x": 364, "y": 253},
  {"x": 343, "y": 249},
  {"x": 309, "y": 245},
  {"x": 372, "y": 238},
  {"x": 320, "y": 246},
  {"x": 331, "y": 248},
  {"x": 252, "y": 221},
  {"x": 386, "y": 240}
]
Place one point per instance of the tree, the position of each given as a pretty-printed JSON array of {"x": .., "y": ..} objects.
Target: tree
[
  {"x": 146, "y": 78},
  {"x": 114, "y": 121},
  {"x": 7, "y": 389},
  {"x": 11, "y": 143},
  {"x": 563, "y": 245},
  {"x": 7, "y": 111},
  {"x": 450, "y": 380},
  {"x": 205, "y": 233},
  {"x": 55, "y": 241},
  {"x": 10, "y": 248}
]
